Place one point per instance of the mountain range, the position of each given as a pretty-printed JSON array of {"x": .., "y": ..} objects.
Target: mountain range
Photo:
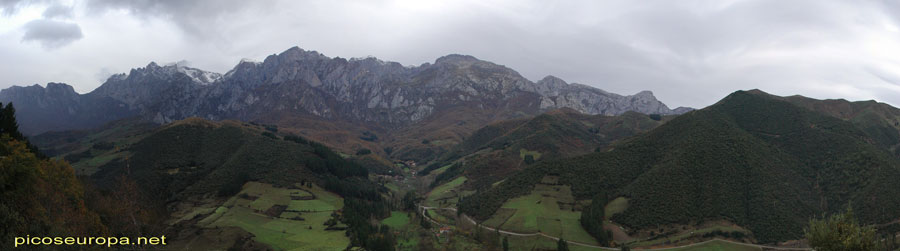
[{"x": 297, "y": 86}]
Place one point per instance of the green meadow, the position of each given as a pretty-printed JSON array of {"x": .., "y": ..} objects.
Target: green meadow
[
  {"x": 548, "y": 209},
  {"x": 253, "y": 208},
  {"x": 447, "y": 194}
]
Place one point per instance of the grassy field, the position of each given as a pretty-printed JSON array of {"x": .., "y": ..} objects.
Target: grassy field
[
  {"x": 615, "y": 206},
  {"x": 393, "y": 187},
  {"x": 717, "y": 245},
  {"x": 247, "y": 211},
  {"x": 397, "y": 220},
  {"x": 539, "y": 243},
  {"x": 500, "y": 217},
  {"x": 446, "y": 194},
  {"x": 441, "y": 142},
  {"x": 438, "y": 215},
  {"x": 441, "y": 170},
  {"x": 548, "y": 210},
  {"x": 685, "y": 235},
  {"x": 535, "y": 154}
]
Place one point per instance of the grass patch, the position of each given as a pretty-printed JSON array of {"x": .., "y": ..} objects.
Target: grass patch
[
  {"x": 437, "y": 216},
  {"x": 615, "y": 206},
  {"x": 92, "y": 165},
  {"x": 193, "y": 213},
  {"x": 523, "y": 152},
  {"x": 397, "y": 220},
  {"x": 441, "y": 142},
  {"x": 282, "y": 233},
  {"x": 539, "y": 243},
  {"x": 104, "y": 158},
  {"x": 393, "y": 187},
  {"x": 718, "y": 245},
  {"x": 408, "y": 244},
  {"x": 527, "y": 210},
  {"x": 499, "y": 218},
  {"x": 687, "y": 234},
  {"x": 441, "y": 170},
  {"x": 310, "y": 205},
  {"x": 548, "y": 210},
  {"x": 446, "y": 194}
]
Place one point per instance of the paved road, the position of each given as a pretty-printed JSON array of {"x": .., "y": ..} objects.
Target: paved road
[{"x": 424, "y": 208}]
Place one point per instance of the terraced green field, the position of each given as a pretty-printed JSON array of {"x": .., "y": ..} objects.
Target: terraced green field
[{"x": 251, "y": 210}]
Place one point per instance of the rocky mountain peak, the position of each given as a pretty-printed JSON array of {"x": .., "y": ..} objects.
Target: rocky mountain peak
[
  {"x": 645, "y": 95},
  {"x": 297, "y": 54},
  {"x": 38, "y": 92},
  {"x": 60, "y": 89},
  {"x": 456, "y": 59},
  {"x": 551, "y": 81}
]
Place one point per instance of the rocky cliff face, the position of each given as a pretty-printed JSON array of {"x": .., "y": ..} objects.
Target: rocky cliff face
[{"x": 296, "y": 81}]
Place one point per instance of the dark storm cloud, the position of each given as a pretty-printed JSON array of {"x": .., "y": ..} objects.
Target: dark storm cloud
[
  {"x": 11, "y": 6},
  {"x": 51, "y": 33},
  {"x": 690, "y": 52},
  {"x": 198, "y": 18}
]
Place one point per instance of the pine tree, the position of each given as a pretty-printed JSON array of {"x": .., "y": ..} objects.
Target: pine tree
[
  {"x": 562, "y": 245},
  {"x": 9, "y": 126},
  {"x": 505, "y": 243}
]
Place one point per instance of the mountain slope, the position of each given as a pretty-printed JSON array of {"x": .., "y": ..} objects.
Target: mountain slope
[
  {"x": 751, "y": 159},
  {"x": 502, "y": 148},
  {"x": 230, "y": 178},
  {"x": 196, "y": 157},
  {"x": 878, "y": 120}
]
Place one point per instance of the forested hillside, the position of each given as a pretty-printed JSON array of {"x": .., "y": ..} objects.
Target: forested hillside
[
  {"x": 500, "y": 149},
  {"x": 750, "y": 159}
]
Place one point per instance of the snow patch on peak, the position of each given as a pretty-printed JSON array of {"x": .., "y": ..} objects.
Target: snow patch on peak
[
  {"x": 368, "y": 58},
  {"x": 199, "y": 76},
  {"x": 248, "y": 60}
]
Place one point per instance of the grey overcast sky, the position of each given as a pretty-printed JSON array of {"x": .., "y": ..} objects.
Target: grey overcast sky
[{"x": 689, "y": 53}]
